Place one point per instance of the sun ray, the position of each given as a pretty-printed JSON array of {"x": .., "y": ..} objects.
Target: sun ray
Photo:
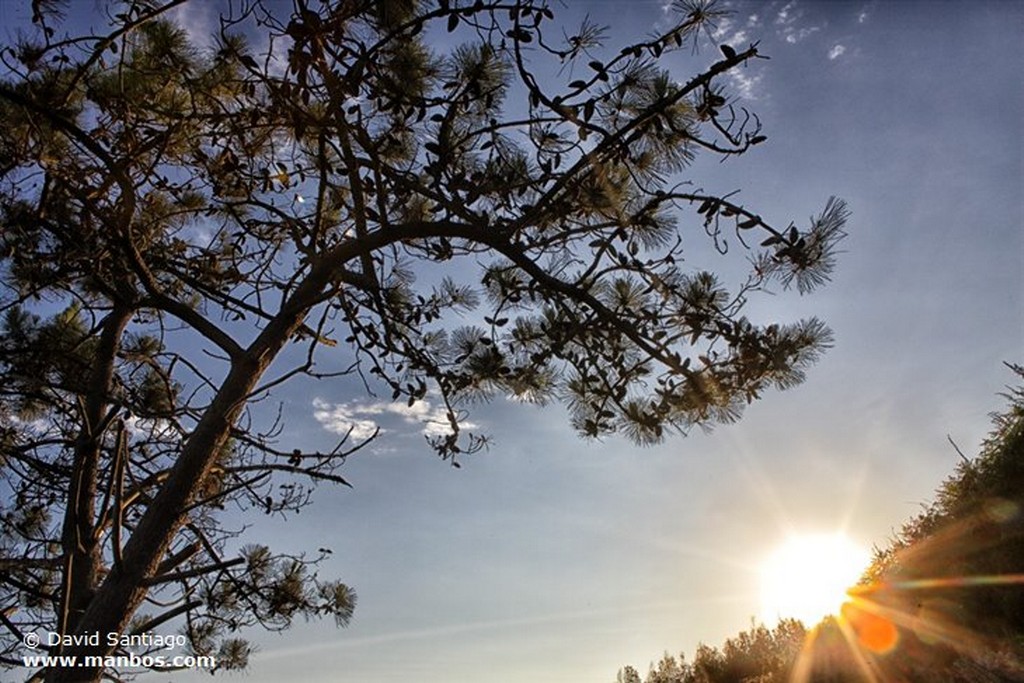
[{"x": 948, "y": 582}]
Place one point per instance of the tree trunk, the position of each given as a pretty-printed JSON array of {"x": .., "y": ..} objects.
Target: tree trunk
[
  {"x": 82, "y": 555},
  {"x": 115, "y": 602}
]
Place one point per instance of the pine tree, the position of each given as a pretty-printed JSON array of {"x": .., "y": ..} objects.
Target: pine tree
[{"x": 175, "y": 219}]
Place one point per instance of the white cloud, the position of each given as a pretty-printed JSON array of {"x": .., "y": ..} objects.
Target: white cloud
[
  {"x": 722, "y": 28},
  {"x": 836, "y": 51},
  {"x": 724, "y": 33},
  {"x": 278, "y": 62},
  {"x": 417, "y": 412},
  {"x": 745, "y": 85},
  {"x": 753, "y": 21},
  {"x": 361, "y": 417},
  {"x": 668, "y": 16},
  {"x": 37, "y": 427},
  {"x": 795, "y": 35},
  {"x": 198, "y": 20},
  {"x": 146, "y": 428},
  {"x": 785, "y": 15},
  {"x": 787, "y": 20},
  {"x": 339, "y": 418}
]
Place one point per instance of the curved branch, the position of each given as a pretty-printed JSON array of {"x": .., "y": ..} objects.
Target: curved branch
[{"x": 176, "y": 308}]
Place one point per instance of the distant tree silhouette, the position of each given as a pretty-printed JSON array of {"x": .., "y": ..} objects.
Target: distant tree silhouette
[
  {"x": 757, "y": 655},
  {"x": 668, "y": 670},
  {"x": 628, "y": 675},
  {"x": 186, "y": 229}
]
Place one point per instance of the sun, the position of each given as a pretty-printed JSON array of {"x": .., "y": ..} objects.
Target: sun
[{"x": 808, "y": 575}]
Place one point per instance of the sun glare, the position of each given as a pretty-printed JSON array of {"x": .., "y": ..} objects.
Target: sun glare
[{"x": 807, "y": 577}]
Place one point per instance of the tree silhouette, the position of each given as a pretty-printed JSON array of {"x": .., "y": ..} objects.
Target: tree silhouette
[
  {"x": 757, "y": 655},
  {"x": 177, "y": 220}
]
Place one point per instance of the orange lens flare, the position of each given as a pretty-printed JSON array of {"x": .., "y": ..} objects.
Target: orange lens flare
[{"x": 874, "y": 632}]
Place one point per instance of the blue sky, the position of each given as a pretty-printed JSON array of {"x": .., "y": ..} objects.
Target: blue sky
[
  {"x": 549, "y": 558},
  {"x": 553, "y": 559}
]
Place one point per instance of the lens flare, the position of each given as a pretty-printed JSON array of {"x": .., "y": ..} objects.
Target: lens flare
[{"x": 874, "y": 632}]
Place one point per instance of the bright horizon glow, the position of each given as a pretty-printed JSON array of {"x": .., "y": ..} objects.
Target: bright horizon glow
[{"x": 808, "y": 576}]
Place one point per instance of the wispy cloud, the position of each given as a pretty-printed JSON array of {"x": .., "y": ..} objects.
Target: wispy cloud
[
  {"x": 340, "y": 418},
  {"x": 724, "y": 33},
  {"x": 668, "y": 15},
  {"x": 722, "y": 28},
  {"x": 278, "y": 58},
  {"x": 199, "y": 20},
  {"x": 795, "y": 35},
  {"x": 745, "y": 84},
  {"x": 465, "y": 629},
  {"x": 147, "y": 428},
  {"x": 37, "y": 426},
  {"x": 364, "y": 418},
  {"x": 786, "y": 14},
  {"x": 836, "y": 51},
  {"x": 788, "y": 21}
]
